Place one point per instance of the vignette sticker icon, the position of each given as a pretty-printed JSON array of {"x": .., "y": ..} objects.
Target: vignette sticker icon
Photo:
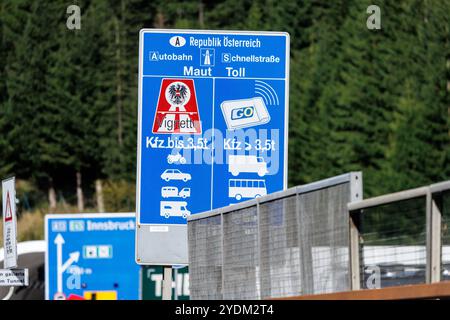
[{"x": 177, "y": 108}]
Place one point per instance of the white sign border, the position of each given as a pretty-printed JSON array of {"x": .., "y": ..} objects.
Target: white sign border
[{"x": 139, "y": 131}]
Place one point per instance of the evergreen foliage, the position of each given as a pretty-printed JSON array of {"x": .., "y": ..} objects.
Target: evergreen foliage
[{"x": 370, "y": 100}]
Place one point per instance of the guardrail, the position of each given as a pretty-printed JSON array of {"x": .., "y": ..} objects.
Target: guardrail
[
  {"x": 287, "y": 243},
  {"x": 321, "y": 238},
  {"x": 421, "y": 217}
]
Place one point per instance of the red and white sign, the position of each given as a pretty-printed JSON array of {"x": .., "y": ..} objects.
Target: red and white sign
[
  {"x": 177, "y": 108},
  {"x": 9, "y": 223},
  {"x": 8, "y": 211}
]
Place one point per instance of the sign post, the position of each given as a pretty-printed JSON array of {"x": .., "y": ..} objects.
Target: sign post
[
  {"x": 152, "y": 283},
  {"x": 9, "y": 223},
  {"x": 167, "y": 283},
  {"x": 10, "y": 276},
  {"x": 212, "y": 129}
]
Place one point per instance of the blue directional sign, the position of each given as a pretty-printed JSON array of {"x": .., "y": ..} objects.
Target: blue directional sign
[
  {"x": 213, "y": 125},
  {"x": 91, "y": 256}
]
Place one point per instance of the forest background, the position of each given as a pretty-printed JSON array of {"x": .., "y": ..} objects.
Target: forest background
[{"x": 360, "y": 99}]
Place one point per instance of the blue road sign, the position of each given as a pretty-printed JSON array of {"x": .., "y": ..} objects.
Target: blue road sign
[
  {"x": 212, "y": 129},
  {"x": 91, "y": 256}
]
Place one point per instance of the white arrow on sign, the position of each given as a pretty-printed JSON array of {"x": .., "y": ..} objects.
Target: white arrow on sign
[{"x": 73, "y": 257}]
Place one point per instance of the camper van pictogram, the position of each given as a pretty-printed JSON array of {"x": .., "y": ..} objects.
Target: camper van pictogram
[{"x": 174, "y": 209}]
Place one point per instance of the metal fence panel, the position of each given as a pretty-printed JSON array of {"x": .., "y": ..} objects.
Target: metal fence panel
[
  {"x": 240, "y": 259},
  {"x": 286, "y": 244},
  {"x": 401, "y": 238},
  {"x": 297, "y": 242},
  {"x": 280, "y": 259},
  {"x": 324, "y": 240},
  {"x": 393, "y": 244},
  {"x": 206, "y": 277}
]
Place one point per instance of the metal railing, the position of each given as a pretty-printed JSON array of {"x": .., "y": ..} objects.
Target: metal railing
[
  {"x": 320, "y": 238},
  {"x": 287, "y": 243},
  {"x": 401, "y": 238}
]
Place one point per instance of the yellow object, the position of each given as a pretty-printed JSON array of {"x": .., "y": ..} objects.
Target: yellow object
[{"x": 100, "y": 295}]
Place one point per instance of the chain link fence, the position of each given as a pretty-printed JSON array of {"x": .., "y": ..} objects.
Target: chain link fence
[{"x": 289, "y": 243}]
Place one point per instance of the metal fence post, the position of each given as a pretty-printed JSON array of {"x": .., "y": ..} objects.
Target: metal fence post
[
  {"x": 302, "y": 269},
  {"x": 433, "y": 268},
  {"x": 356, "y": 194},
  {"x": 354, "y": 253},
  {"x": 306, "y": 260},
  {"x": 428, "y": 227}
]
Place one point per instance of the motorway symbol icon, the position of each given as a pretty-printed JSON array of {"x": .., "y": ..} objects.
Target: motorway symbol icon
[{"x": 207, "y": 57}]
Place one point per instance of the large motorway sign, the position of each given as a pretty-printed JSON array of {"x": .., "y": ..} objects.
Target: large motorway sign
[{"x": 213, "y": 110}]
